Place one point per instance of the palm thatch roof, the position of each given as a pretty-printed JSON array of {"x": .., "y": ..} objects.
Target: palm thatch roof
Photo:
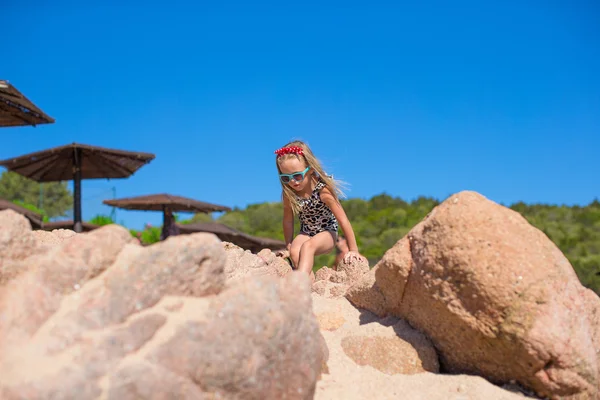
[
  {"x": 34, "y": 218},
  {"x": 18, "y": 110},
  {"x": 76, "y": 162},
  {"x": 228, "y": 234},
  {"x": 60, "y": 163},
  {"x": 158, "y": 202}
]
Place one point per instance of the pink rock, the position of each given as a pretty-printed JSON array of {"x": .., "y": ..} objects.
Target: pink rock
[
  {"x": 119, "y": 321},
  {"x": 269, "y": 343},
  {"x": 241, "y": 264},
  {"x": 32, "y": 297},
  {"x": 16, "y": 244},
  {"x": 393, "y": 355},
  {"x": 335, "y": 283},
  {"x": 53, "y": 238},
  {"x": 321, "y": 287},
  {"x": 354, "y": 269},
  {"x": 494, "y": 294},
  {"x": 323, "y": 274}
]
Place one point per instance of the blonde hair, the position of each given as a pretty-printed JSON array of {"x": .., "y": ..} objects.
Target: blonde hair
[{"x": 309, "y": 158}]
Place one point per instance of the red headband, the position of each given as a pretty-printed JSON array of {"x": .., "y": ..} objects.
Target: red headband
[{"x": 289, "y": 150}]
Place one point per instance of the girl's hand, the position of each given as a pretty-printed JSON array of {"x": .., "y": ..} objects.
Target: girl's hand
[
  {"x": 352, "y": 255},
  {"x": 284, "y": 253}
]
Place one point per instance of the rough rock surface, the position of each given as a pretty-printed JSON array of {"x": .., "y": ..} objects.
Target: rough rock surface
[
  {"x": 384, "y": 358},
  {"x": 332, "y": 283},
  {"x": 95, "y": 315},
  {"x": 18, "y": 242},
  {"x": 99, "y": 317},
  {"x": 53, "y": 238},
  {"x": 495, "y": 295},
  {"x": 241, "y": 264}
]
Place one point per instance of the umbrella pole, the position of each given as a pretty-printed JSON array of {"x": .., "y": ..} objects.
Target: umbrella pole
[
  {"x": 77, "y": 192},
  {"x": 162, "y": 232}
]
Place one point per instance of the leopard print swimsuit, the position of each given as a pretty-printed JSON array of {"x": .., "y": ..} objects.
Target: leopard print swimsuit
[{"x": 315, "y": 216}]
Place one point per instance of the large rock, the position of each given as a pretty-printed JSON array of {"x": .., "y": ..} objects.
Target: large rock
[
  {"x": 495, "y": 295},
  {"x": 332, "y": 283},
  {"x": 34, "y": 295},
  {"x": 18, "y": 242},
  {"x": 385, "y": 358},
  {"x": 54, "y": 237},
  {"x": 99, "y": 317},
  {"x": 388, "y": 345},
  {"x": 241, "y": 264}
]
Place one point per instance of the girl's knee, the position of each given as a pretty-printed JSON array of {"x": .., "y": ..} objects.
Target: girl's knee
[
  {"x": 295, "y": 253},
  {"x": 307, "y": 247},
  {"x": 295, "y": 248}
]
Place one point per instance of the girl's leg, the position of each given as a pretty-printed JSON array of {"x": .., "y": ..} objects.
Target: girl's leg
[
  {"x": 295, "y": 248},
  {"x": 321, "y": 243}
]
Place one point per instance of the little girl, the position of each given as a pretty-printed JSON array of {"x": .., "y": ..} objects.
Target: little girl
[{"x": 312, "y": 195}]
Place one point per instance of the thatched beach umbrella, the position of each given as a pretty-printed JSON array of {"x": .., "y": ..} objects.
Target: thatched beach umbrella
[
  {"x": 167, "y": 203},
  {"x": 76, "y": 162},
  {"x": 18, "y": 110},
  {"x": 34, "y": 218},
  {"x": 228, "y": 234}
]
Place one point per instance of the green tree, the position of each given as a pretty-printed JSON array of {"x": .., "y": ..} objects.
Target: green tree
[
  {"x": 389, "y": 237},
  {"x": 101, "y": 220},
  {"x": 265, "y": 219},
  {"x": 383, "y": 220},
  {"x": 150, "y": 234},
  {"x": 33, "y": 208},
  {"x": 237, "y": 219},
  {"x": 199, "y": 217},
  {"x": 355, "y": 208},
  {"x": 378, "y": 222},
  {"x": 55, "y": 199},
  {"x": 383, "y": 201}
]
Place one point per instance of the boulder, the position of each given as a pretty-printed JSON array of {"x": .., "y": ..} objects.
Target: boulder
[
  {"x": 100, "y": 317},
  {"x": 334, "y": 283},
  {"x": 495, "y": 295},
  {"x": 241, "y": 264},
  {"x": 54, "y": 237},
  {"x": 411, "y": 354},
  {"x": 385, "y": 358},
  {"x": 16, "y": 243}
]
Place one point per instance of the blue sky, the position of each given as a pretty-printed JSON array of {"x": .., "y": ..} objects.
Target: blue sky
[{"x": 411, "y": 98}]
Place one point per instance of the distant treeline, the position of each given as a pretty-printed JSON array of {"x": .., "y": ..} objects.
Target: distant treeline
[
  {"x": 381, "y": 221},
  {"x": 378, "y": 222}
]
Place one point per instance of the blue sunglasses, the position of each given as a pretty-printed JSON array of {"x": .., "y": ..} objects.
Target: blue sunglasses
[{"x": 297, "y": 176}]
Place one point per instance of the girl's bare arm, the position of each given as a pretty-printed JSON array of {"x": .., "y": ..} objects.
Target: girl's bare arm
[
  {"x": 340, "y": 215},
  {"x": 288, "y": 222}
]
